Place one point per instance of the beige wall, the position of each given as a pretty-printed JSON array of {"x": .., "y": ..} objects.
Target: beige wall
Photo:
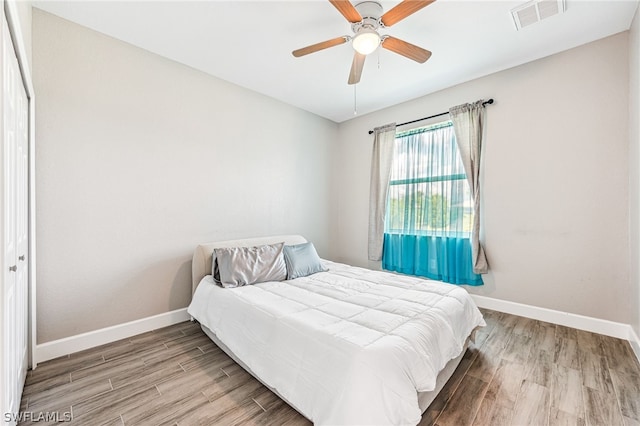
[
  {"x": 634, "y": 169},
  {"x": 555, "y": 179},
  {"x": 139, "y": 159}
]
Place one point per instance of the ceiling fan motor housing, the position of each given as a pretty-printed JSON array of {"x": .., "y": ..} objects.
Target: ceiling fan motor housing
[{"x": 371, "y": 11}]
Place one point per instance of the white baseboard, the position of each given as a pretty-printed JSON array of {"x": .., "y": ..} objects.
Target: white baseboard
[
  {"x": 69, "y": 345},
  {"x": 635, "y": 343},
  {"x": 80, "y": 342},
  {"x": 581, "y": 322}
]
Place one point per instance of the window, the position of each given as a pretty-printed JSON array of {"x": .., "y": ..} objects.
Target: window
[
  {"x": 429, "y": 208},
  {"x": 428, "y": 192}
]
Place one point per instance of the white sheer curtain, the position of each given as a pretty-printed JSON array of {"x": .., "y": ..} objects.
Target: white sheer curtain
[
  {"x": 468, "y": 122},
  {"x": 381, "y": 161}
]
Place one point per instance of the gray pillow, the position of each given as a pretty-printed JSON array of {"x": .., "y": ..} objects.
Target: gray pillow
[
  {"x": 240, "y": 266},
  {"x": 302, "y": 260},
  {"x": 215, "y": 271}
]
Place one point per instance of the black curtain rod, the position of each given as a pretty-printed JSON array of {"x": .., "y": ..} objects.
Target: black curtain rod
[{"x": 489, "y": 102}]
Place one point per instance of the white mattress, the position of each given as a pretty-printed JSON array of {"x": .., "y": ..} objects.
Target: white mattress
[{"x": 347, "y": 346}]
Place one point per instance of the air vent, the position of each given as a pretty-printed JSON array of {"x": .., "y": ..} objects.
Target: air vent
[{"x": 535, "y": 11}]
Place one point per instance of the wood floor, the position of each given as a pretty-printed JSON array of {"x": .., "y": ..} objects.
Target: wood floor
[{"x": 518, "y": 372}]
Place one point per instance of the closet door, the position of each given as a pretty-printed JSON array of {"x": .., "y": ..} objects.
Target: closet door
[
  {"x": 15, "y": 229},
  {"x": 22, "y": 227}
]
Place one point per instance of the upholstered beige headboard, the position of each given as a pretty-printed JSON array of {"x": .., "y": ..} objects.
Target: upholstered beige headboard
[{"x": 201, "y": 265}]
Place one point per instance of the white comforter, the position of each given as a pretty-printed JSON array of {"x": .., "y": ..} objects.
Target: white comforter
[{"x": 347, "y": 346}]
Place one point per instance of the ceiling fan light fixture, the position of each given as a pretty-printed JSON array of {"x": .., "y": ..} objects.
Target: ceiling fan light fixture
[{"x": 366, "y": 41}]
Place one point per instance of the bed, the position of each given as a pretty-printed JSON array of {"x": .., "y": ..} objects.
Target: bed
[{"x": 344, "y": 346}]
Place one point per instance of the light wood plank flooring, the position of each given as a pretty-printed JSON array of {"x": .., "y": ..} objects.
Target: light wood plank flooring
[{"x": 518, "y": 372}]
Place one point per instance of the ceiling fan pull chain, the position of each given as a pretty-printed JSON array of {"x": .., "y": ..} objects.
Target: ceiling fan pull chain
[{"x": 355, "y": 100}]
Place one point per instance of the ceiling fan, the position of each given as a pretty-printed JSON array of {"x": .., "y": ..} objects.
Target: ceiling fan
[{"x": 366, "y": 20}]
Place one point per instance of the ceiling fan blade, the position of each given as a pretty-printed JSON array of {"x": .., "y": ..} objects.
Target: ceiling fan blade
[
  {"x": 348, "y": 11},
  {"x": 405, "y": 49},
  {"x": 320, "y": 46},
  {"x": 402, "y": 10},
  {"x": 356, "y": 68}
]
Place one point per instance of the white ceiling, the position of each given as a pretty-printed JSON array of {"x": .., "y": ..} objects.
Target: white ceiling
[{"x": 249, "y": 43}]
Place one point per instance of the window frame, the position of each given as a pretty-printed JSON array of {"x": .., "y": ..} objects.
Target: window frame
[{"x": 427, "y": 179}]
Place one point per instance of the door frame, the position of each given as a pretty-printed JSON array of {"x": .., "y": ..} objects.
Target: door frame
[{"x": 10, "y": 11}]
